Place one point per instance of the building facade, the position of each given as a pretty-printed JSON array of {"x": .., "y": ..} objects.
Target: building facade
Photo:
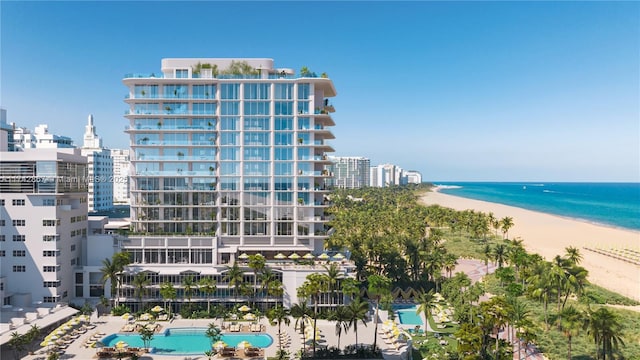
[
  {"x": 43, "y": 221},
  {"x": 228, "y": 159},
  {"x": 350, "y": 172},
  {"x": 121, "y": 164},
  {"x": 100, "y": 169}
]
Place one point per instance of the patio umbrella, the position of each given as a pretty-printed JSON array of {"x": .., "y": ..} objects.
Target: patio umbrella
[
  {"x": 126, "y": 316},
  {"x": 323, "y": 256},
  {"x": 219, "y": 344},
  {"x": 249, "y": 316},
  {"x": 280, "y": 256},
  {"x": 244, "y": 344},
  {"x": 309, "y": 256},
  {"x": 157, "y": 308},
  {"x": 294, "y": 256},
  {"x": 145, "y": 316},
  {"x": 338, "y": 256},
  {"x": 243, "y": 256},
  {"x": 244, "y": 308},
  {"x": 121, "y": 345}
]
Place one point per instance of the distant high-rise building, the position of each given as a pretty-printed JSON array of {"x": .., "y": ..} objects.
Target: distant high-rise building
[
  {"x": 100, "y": 166},
  {"x": 43, "y": 222},
  {"x": 413, "y": 177},
  {"x": 41, "y": 138},
  {"x": 350, "y": 172},
  {"x": 6, "y": 132},
  {"x": 121, "y": 164}
]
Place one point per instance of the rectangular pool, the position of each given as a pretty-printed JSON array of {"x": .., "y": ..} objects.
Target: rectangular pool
[{"x": 408, "y": 315}]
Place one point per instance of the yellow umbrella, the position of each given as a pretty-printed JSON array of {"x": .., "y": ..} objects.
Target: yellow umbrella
[
  {"x": 219, "y": 344},
  {"x": 244, "y": 308},
  {"x": 294, "y": 256},
  {"x": 323, "y": 256},
  {"x": 243, "y": 256},
  {"x": 309, "y": 256},
  {"x": 244, "y": 344},
  {"x": 280, "y": 256},
  {"x": 121, "y": 345},
  {"x": 157, "y": 308},
  {"x": 249, "y": 316}
]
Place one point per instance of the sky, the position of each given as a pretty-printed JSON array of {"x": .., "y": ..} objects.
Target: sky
[{"x": 460, "y": 91}]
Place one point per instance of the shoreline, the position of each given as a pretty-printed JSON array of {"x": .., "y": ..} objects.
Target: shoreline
[{"x": 549, "y": 235}]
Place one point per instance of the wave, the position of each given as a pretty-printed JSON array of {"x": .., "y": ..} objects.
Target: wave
[{"x": 448, "y": 186}]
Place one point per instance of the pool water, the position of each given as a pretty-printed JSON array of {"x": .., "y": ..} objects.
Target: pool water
[
  {"x": 181, "y": 341},
  {"x": 408, "y": 315}
]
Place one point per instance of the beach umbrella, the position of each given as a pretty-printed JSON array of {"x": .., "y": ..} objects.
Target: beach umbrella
[
  {"x": 243, "y": 256},
  {"x": 249, "y": 316},
  {"x": 244, "y": 344},
  {"x": 260, "y": 255},
  {"x": 280, "y": 256},
  {"x": 338, "y": 256},
  {"x": 219, "y": 344},
  {"x": 294, "y": 256},
  {"x": 309, "y": 256},
  {"x": 323, "y": 256},
  {"x": 157, "y": 308},
  {"x": 126, "y": 316},
  {"x": 121, "y": 345},
  {"x": 244, "y": 308}
]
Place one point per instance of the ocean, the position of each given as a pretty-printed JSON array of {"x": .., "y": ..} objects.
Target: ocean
[{"x": 611, "y": 204}]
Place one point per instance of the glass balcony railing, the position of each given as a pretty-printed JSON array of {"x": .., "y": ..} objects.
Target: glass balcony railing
[
  {"x": 169, "y": 112},
  {"x": 170, "y": 127},
  {"x": 174, "y": 173},
  {"x": 168, "y": 96},
  {"x": 142, "y": 157},
  {"x": 183, "y": 143}
]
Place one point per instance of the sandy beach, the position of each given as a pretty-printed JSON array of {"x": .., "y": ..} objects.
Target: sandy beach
[{"x": 549, "y": 235}]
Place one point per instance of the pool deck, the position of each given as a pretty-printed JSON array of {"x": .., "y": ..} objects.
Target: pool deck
[{"x": 114, "y": 324}]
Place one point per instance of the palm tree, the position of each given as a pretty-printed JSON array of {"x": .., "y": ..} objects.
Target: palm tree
[
  {"x": 357, "y": 311},
  {"x": 379, "y": 285},
  {"x": 312, "y": 288},
  {"x": 506, "y": 223},
  {"x": 333, "y": 276},
  {"x": 500, "y": 254},
  {"x": 572, "y": 321},
  {"x": 140, "y": 284},
  {"x": 110, "y": 273},
  {"x": 301, "y": 312},
  {"x": 341, "y": 317},
  {"x": 487, "y": 251},
  {"x": 208, "y": 286},
  {"x": 573, "y": 255},
  {"x": 450, "y": 262},
  {"x": 234, "y": 277},
  {"x": 146, "y": 335},
  {"x": 605, "y": 328},
  {"x": 188, "y": 287},
  {"x": 257, "y": 263},
  {"x": 213, "y": 333},
  {"x": 17, "y": 342},
  {"x": 168, "y": 292},
  {"x": 279, "y": 315},
  {"x": 425, "y": 303}
]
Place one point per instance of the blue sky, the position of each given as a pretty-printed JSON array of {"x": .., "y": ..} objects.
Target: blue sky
[{"x": 474, "y": 91}]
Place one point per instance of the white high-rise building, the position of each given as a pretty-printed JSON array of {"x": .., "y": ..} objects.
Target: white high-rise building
[
  {"x": 228, "y": 158},
  {"x": 100, "y": 166},
  {"x": 413, "y": 177},
  {"x": 121, "y": 164},
  {"x": 41, "y": 138},
  {"x": 350, "y": 172},
  {"x": 43, "y": 198}
]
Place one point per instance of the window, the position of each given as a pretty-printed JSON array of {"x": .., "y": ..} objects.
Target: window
[
  {"x": 17, "y": 202},
  {"x": 19, "y": 253},
  {"x": 2, "y": 222},
  {"x": 1, "y": 202},
  {"x": 51, "y": 284},
  {"x": 49, "y": 253},
  {"x": 303, "y": 91},
  {"x": 48, "y": 202},
  {"x": 18, "y": 222},
  {"x": 50, "y": 222},
  {"x": 19, "y": 237},
  {"x": 19, "y": 268},
  {"x": 284, "y": 91},
  {"x": 182, "y": 73},
  {"x": 49, "y": 237},
  {"x": 2, "y": 238},
  {"x": 229, "y": 91},
  {"x": 49, "y": 268},
  {"x": 2, "y": 253},
  {"x": 73, "y": 248},
  {"x": 50, "y": 299}
]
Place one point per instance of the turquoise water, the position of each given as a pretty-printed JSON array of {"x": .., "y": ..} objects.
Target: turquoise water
[
  {"x": 612, "y": 204},
  {"x": 181, "y": 341},
  {"x": 407, "y": 315}
]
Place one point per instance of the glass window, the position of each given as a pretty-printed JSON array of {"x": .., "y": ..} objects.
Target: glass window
[
  {"x": 178, "y": 91},
  {"x": 230, "y": 108},
  {"x": 284, "y": 91},
  {"x": 204, "y": 91},
  {"x": 284, "y": 123},
  {"x": 182, "y": 73},
  {"x": 304, "y": 123},
  {"x": 256, "y": 153},
  {"x": 303, "y": 107},
  {"x": 284, "y": 168},
  {"x": 256, "y": 138},
  {"x": 284, "y": 107},
  {"x": 257, "y": 91},
  {"x": 256, "y": 183},
  {"x": 283, "y": 183},
  {"x": 229, "y": 91},
  {"x": 256, "y": 123},
  {"x": 256, "y": 108},
  {"x": 204, "y": 109},
  {"x": 229, "y": 153},
  {"x": 230, "y": 168},
  {"x": 256, "y": 168},
  {"x": 283, "y": 153},
  {"x": 229, "y": 138},
  {"x": 229, "y": 123},
  {"x": 304, "y": 91},
  {"x": 284, "y": 138}
]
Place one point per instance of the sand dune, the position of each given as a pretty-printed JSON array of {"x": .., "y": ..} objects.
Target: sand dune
[{"x": 549, "y": 235}]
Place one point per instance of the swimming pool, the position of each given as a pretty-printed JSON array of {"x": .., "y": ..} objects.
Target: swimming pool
[
  {"x": 408, "y": 316},
  {"x": 187, "y": 341}
]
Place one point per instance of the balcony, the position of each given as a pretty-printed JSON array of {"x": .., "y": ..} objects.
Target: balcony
[
  {"x": 173, "y": 173},
  {"x": 146, "y": 128},
  {"x": 168, "y": 112},
  {"x": 168, "y": 97},
  {"x": 143, "y": 142}
]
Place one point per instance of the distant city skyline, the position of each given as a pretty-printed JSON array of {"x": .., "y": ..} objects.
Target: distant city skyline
[{"x": 460, "y": 91}]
